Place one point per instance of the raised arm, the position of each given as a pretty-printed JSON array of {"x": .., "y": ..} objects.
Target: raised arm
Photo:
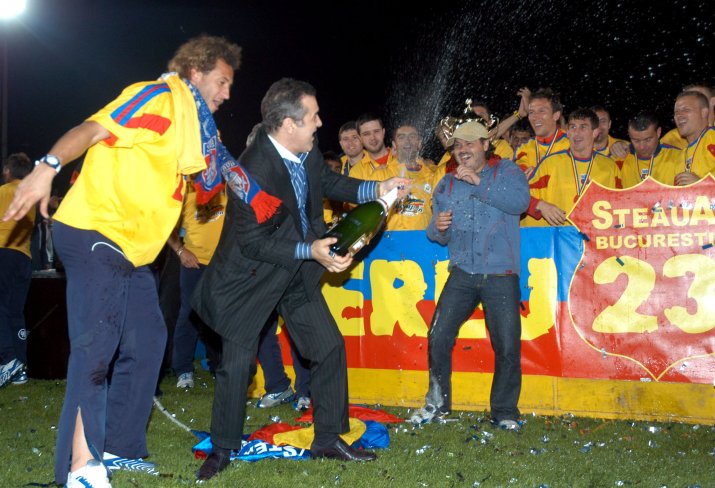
[{"x": 36, "y": 186}]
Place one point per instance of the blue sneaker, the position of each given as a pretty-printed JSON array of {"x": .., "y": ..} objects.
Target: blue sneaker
[
  {"x": 274, "y": 399},
  {"x": 8, "y": 370},
  {"x": 114, "y": 463}
]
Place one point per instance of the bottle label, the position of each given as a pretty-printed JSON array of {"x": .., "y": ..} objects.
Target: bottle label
[{"x": 359, "y": 244}]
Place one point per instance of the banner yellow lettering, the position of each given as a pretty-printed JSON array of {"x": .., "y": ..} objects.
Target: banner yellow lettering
[{"x": 397, "y": 287}]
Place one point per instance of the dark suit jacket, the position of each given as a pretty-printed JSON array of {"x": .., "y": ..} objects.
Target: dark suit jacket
[{"x": 253, "y": 264}]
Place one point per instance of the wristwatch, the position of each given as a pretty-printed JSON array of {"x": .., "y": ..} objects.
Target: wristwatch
[{"x": 51, "y": 161}]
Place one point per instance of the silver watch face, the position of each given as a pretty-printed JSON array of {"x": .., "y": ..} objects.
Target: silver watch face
[{"x": 52, "y": 161}]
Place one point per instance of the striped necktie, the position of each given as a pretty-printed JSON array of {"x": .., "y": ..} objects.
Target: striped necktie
[{"x": 299, "y": 180}]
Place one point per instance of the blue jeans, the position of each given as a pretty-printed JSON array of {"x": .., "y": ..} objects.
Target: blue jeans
[
  {"x": 189, "y": 327},
  {"x": 15, "y": 279},
  {"x": 499, "y": 295},
  {"x": 269, "y": 355}
]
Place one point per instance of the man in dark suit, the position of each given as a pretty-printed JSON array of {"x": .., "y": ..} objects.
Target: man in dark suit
[{"x": 270, "y": 260}]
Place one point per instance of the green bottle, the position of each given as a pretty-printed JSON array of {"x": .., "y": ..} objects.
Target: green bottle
[{"x": 355, "y": 229}]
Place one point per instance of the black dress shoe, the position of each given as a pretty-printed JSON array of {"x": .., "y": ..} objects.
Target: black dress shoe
[
  {"x": 214, "y": 464},
  {"x": 340, "y": 450}
]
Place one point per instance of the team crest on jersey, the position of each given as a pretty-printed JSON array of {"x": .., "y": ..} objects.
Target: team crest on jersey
[
  {"x": 22, "y": 334},
  {"x": 411, "y": 206},
  {"x": 209, "y": 212},
  {"x": 427, "y": 188}
]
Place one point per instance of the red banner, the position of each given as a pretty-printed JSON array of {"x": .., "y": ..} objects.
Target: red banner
[{"x": 644, "y": 290}]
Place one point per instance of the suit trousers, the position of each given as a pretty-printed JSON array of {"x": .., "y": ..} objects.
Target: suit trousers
[{"x": 318, "y": 340}]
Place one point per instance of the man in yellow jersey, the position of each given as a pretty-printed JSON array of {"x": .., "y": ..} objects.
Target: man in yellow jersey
[
  {"x": 350, "y": 143},
  {"x": 562, "y": 177},
  {"x": 414, "y": 212},
  {"x": 372, "y": 136},
  {"x": 605, "y": 142},
  {"x": 673, "y": 137},
  {"x": 692, "y": 113},
  {"x": 15, "y": 274},
  {"x": 333, "y": 210},
  {"x": 520, "y": 133},
  {"x": 501, "y": 146},
  {"x": 497, "y": 134},
  {"x": 111, "y": 225},
  {"x": 194, "y": 244},
  {"x": 647, "y": 155},
  {"x": 544, "y": 114}
]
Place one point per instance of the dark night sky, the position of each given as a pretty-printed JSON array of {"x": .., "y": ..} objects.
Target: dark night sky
[{"x": 67, "y": 58}]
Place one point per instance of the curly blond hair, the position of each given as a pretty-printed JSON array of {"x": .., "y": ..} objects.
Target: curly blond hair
[{"x": 202, "y": 53}]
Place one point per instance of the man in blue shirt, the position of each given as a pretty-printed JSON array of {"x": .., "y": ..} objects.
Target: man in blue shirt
[{"x": 476, "y": 213}]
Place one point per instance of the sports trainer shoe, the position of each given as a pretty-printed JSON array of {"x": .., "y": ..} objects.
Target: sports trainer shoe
[
  {"x": 113, "y": 463},
  {"x": 274, "y": 399},
  {"x": 301, "y": 404},
  {"x": 427, "y": 414},
  {"x": 507, "y": 424},
  {"x": 186, "y": 380},
  {"x": 91, "y": 475},
  {"x": 8, "y": 370},
  {"x": 20, "y": 377}
]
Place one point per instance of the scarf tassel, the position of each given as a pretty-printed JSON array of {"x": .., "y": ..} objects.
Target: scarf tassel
[{"x": 264, "y": 205}]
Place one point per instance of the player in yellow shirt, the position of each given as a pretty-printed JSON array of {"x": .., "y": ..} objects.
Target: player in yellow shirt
[
  {"x": 15, "y": 274},
  {"x": 110, "y": 226},
  {"x": 544, "y": 115},
  {"x": 692, "y": 113},
  {"x": 501, "y": 146},
  {"x": 647, "y": 155},
  {"x": 520, "y": 133},
  {"x": 332, "y": 210},
  {"x": 372, "y": 136},
  {"x": 413, "y": 212},
  {"x": 353, "y": 151},
  {"x": 605, "y": 142},
  {"x": 561, "y": 177},
  {"x": 200, "y": 226},
  {"x": 673, "y": 137}
]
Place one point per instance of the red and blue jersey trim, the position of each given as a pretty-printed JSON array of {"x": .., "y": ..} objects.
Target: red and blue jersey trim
[{"x": 123, "y": 114}]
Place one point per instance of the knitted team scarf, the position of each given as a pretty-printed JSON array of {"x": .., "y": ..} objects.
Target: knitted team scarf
[{"x": 221, "y": 166}]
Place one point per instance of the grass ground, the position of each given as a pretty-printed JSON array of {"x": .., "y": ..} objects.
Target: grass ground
[{"x": 466, "y": 452}]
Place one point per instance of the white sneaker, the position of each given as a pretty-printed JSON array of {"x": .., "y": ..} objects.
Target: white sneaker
[
  {"x": 426, "y": 414},
  {"x": 507, "y": 424},
  {"x": 186, "y": 380},
  {"x": 91, "y": 475},
  {"x": 301, "y": 404}
]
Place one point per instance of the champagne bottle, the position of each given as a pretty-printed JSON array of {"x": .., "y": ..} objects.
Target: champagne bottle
[{"x": 355, "y": 229}]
